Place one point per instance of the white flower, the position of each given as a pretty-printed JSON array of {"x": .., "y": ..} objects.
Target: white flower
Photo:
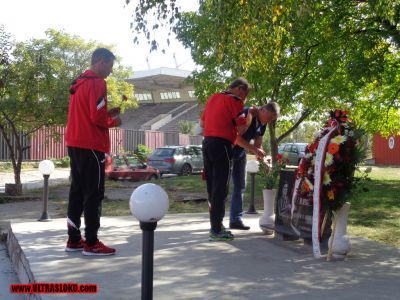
[
  {"x": 328, "y": 159},
  {"x": 327, "y": 179},
  {"x": 351, "y": 133},
  {"x": 339, "y": 139}
]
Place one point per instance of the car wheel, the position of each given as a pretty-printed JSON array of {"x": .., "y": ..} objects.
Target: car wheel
[
  {"x": 153, "y": 177},
  {"x": 186, "y": 170}
]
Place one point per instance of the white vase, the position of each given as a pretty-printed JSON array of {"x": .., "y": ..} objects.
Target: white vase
[
  {"x": 268, "y": 217},
  {"x": 341, "y": 242}
]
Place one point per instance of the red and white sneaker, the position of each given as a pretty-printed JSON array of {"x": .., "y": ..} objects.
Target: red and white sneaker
[
  {"x": 72, "y": 247},
  {"x": 98, "y": 249}
]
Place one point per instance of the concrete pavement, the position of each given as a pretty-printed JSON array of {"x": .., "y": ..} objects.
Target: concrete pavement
[
  {"x": 188, "y": 266},
  {"x": 33, "y": 179}
]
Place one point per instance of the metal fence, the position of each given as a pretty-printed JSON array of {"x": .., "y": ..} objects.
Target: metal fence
[
  {"x": 5, "y": 152},
  {"x": 48, "y": 142}
]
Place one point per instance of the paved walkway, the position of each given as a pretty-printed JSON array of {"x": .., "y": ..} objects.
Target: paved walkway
[
  {"x": 188, "y": 266},
  {"x": 33, "y": 179}
]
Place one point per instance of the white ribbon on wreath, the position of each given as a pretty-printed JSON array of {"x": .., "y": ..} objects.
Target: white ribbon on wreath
[{"x": 318, "y": 178}]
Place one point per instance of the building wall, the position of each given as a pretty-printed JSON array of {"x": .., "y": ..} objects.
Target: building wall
[
  {"x": 156, "y": 95},
  {"x": 386, "y": 151}
]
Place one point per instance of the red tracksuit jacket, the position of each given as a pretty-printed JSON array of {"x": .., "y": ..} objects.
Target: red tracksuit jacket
[{"x": 88, "y": 120}]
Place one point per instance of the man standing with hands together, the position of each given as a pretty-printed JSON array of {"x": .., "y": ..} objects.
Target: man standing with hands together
[{"x": 87, "y": 139}]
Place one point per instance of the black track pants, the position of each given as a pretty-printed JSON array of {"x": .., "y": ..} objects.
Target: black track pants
[
  {"x": 217, "y": 155},
  {"x": 86, "y": 193}
]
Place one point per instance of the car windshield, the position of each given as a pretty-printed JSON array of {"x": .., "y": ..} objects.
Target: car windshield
[
  {"x": 302, "y": 148},
  {"x": 163, "y": 152},
  {"x": 119, "y": 161}
]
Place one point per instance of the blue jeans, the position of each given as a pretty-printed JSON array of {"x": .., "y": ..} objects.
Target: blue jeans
[{"x": 239, "y": 186}]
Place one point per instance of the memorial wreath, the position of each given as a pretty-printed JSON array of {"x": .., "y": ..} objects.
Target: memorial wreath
[{"x": 344, "y": 151}]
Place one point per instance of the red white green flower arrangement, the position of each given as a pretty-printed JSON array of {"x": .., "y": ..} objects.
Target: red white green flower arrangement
[
  {"x": 326, "y": 172},
  {"x": 343, "y": 153}
]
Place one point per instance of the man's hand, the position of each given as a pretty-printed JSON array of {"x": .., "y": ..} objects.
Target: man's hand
[{"x": 259, "y": 153}]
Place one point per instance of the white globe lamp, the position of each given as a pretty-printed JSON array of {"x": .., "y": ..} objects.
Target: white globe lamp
[
  {"x": 252, "y": 166},
  {"x": 46, "y": 167},
  {"x": 149, "y": 203}
]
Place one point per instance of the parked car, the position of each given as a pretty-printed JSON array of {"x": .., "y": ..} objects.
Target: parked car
[
  {"x": 294, "y": 152},
  {"x": 181, "y": 160},
  {"x": 281, "y": 147},
  {"x": 128, "y": 167}
]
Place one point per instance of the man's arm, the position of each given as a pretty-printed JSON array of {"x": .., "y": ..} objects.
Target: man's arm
[
  {"x": 243, "y": 128},
  {"x": 258, "y": 141},
  {"x": 257, "y": 151}
]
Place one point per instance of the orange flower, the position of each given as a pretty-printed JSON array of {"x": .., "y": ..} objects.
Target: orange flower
[
  {"x": 331, "y": 195},
  {"x": 333, "y": 148},
  {"x": 306, "y": 187}
]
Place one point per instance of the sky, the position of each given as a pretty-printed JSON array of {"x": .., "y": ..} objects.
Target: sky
[{"x": 106, "y": 21}]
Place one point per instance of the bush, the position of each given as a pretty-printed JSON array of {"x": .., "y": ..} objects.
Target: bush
[
  {"x": 62, "y": 162},
  {"x": 186, "y": 127},
  {"x": 142, "y": 152}
]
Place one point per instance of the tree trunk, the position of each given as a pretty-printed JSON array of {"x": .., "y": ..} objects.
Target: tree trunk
[
  {"x": 16, "y": 152},
  {"x": 13, "y": 189},
  {"x": 273, "y": 142}
]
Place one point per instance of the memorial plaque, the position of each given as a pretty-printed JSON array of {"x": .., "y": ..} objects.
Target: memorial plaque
[{"x": 293, "y": 217}]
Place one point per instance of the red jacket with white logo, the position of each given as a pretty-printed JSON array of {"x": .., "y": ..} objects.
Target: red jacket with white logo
[{"x": 88, "y": 120}]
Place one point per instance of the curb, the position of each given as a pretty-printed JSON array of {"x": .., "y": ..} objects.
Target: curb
[{"x": 19, "y": 262}]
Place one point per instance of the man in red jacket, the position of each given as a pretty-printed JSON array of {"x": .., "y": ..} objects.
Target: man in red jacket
[
  {"x": 87, "y": 139},
  {"x": 223, "y": 119}
]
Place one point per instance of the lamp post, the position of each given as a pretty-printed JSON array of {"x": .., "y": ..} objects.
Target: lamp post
[
  {"x": 252, "y": 168},
  {"x": 46, "y": 167},
  {"x": 148, "y": 203}
]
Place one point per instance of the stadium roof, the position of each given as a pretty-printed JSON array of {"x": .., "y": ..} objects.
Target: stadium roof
[{"x": 155, "y": 79}]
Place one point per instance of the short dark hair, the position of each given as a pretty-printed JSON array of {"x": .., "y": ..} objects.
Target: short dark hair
[
  {"x": 102, "y": 53},
  {"x": 240, "y": 82},
  {"x": 273, "y": 107}
]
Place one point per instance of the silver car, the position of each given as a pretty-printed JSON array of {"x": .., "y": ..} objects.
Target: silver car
[
  {"x": 181, "y": 160},
  {"x": 294, "y": 152}
]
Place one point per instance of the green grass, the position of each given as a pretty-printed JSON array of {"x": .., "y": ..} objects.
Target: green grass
[{"x": 374, "y": 214}]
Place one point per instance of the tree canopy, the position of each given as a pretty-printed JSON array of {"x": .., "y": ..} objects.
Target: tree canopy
[
  {"x": 309, "y": 56},
  {"x": 34, "y": 84}
]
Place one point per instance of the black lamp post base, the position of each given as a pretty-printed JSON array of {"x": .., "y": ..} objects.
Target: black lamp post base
[
  {"x": 147, "y": 259},
  {"x": 252, "y": 212}
]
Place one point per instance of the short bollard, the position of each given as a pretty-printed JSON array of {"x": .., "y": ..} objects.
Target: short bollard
[
  {"x": 252, "y": 169},
  {"x": 252, "y": 209},
  {"x": 148, "y": 203},
  {"x": 46, "y": 167}
]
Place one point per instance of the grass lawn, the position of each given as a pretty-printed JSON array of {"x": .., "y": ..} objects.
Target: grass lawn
[{"x": 374, "y": 214}]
